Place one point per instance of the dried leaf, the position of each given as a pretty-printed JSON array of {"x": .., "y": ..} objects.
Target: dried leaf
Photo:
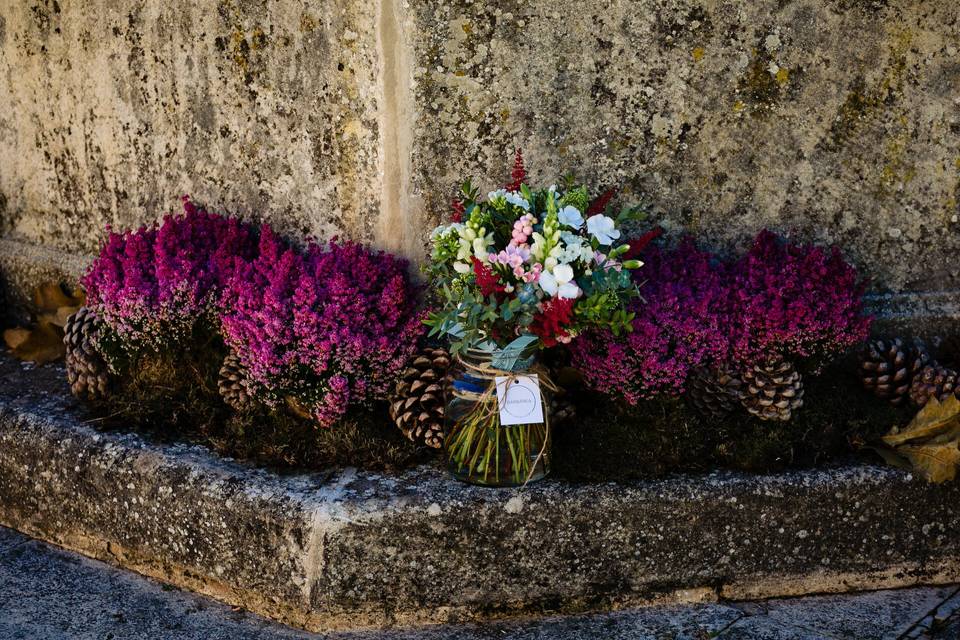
[
  {"x": 935, "y": 462},
  {"x": 934, "y": 419},
  {"x": 43, "y": 344},
  {"x": 929, "y": 444},
  {"x": 950, "y": 435},
  {"x": 59, "y": 318},
  {"x": 298, "y": 408},
  {"x": 892, "y": 458},
  {"x": 15, "y": 337},
  {"x": 49, "y": 297}
]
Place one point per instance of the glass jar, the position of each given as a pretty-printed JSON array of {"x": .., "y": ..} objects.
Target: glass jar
[{"x": 479, "y": 449}]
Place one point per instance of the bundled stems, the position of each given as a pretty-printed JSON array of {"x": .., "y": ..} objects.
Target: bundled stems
[{"x": 482, "y": 450}]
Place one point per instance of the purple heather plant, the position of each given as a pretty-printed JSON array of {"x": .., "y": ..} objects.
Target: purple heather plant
[
  {"x": 153, "y": 284},
  {"x": 795, "y": 301},
  {"x": 678, "y": 326},
  {"x": 779, "y": 300},
  {"x": 331, "y": 326}
]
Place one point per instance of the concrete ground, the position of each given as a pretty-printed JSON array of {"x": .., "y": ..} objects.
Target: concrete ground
[{"x": 47, "y": 593}]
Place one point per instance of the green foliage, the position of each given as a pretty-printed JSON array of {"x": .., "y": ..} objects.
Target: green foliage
[{"x": 577, "y": 197}]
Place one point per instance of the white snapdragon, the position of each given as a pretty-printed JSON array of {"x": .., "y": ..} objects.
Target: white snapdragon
[
  {"x": 481, "y": 247},
  {"x": 549, "y": 258},
  {"x": 472, "y": 242}
]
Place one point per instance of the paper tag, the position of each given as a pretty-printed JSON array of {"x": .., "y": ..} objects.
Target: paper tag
[{"x": 521, "y": 403}]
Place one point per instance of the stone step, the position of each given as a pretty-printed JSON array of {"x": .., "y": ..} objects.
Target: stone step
[
  {"x": 347, "y": 549},
  {"x": 46, "y": 592}
]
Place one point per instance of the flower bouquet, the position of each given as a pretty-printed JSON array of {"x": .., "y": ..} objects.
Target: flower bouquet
[{"x": 518, "y": 271}]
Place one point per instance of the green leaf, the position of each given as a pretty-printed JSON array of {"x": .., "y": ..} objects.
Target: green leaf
[
  {"x": 525, "y": 191},
  {"x": 629, "y": 214},
  {"x": 508, "y": 358}
]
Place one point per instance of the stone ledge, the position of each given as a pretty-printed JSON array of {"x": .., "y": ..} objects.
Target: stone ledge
[{"x": 350, "y": 549}]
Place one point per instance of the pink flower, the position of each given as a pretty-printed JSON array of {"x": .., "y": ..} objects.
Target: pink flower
[
  {"x": 779, "y": 299},
  {"x": 332, "y": 326},
  {"x": 152, "y": 285}
]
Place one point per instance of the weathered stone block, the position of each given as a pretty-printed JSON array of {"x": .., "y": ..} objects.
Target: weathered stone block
[
  {"x": 111, "y": 109},
  {"x": 831, "y": 121}
]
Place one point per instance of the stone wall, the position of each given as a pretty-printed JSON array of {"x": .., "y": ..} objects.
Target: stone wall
[{"x": 831, "y": 120}]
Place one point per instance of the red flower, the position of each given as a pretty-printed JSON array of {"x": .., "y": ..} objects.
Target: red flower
[
  {"x": 549, "y": 322},
  {"x": 519, "y": 173},
  {"x": 458, "y": 211},
  {"x": 637, "y": 246},
  {"x": 487, "y": 280},
  {"x": 600, "y": 204}
]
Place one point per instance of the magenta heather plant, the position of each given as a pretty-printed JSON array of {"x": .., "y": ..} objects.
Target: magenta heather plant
[
  {"x": 331, "y": 326},
  {"x": 778, "y": 300},
  {"x": 795, "y": 301},
  {"x": 678, "y": 326},
  {"x": 151, "y": 285}
]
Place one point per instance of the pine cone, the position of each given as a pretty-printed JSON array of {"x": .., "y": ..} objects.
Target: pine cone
[
  {"x": 562, "y": 410},
  {"x": 87, "y": 371},
  {"x": 887, "y": 367},
  {"x": 714, "y": 392},
  {"x": 231, "y": 383},
  {"x": 417, "y": 402},
  {"x": 773, "y": 390},
  {"x": 933, "y": 380}
]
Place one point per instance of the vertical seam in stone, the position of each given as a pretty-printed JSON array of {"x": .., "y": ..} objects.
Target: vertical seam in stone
[
  {"x": 325, "y": 519},
  {"x": 396, "y": 209},
  {"x": 313, "y": 558}
]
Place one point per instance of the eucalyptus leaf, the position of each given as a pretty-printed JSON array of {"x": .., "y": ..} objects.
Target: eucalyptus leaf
[{"x": 510, "y": 357}]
